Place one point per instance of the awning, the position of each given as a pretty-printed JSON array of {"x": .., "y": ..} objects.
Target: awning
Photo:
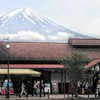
[
  {"x": 19, "y": 71},
  {"x": 33, "y": 66}
]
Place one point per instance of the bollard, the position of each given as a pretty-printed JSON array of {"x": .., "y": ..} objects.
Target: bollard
[
  {"x": 88, "y": 93},
  {"x": 95, "y": 95},
  {"x": 48, "y": 93},
  {"x": 98, "y": 92},
  {"x": 68, "y": 93},
  {"x": 72, "y": 94}
]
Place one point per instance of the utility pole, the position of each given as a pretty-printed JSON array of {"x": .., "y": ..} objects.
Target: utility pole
[{"x": 64, "y": 83}]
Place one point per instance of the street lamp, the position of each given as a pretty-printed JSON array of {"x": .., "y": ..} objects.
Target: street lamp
[
  {"x": 64, "y": 82},
  {"x": 7, "y": 46}
]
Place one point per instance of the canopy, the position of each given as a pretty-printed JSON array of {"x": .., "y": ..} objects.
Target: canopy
[{"x": 19, "y": 71}]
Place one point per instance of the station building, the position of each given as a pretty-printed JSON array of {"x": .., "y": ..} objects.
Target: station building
[{"x": 45, "y": 57}]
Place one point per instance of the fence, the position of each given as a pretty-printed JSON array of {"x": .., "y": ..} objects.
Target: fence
[{"x": 88, "y": 92}]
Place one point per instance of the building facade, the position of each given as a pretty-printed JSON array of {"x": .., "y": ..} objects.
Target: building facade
[{"x": 45, "y": 57}]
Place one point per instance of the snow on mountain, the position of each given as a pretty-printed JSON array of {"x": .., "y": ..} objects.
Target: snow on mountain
[{"x": 23, "y": 24}]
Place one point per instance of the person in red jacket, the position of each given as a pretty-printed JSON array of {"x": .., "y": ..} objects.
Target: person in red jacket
[{"x": 71, "y": 88}]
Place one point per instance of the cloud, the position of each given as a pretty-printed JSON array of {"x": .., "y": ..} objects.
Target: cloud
[
  {"x": 34, "y": 36},
  {"x": 61, "y": 36},
  {"x": 24, "y": 36}
]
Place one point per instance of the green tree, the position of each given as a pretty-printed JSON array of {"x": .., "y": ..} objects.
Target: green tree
[{"x": 74, "y": 66}]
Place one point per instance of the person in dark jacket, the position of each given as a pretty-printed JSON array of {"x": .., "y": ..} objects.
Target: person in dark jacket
[
  {"x": 42, "y": 87},
  {"x": 29, "y": 88}
]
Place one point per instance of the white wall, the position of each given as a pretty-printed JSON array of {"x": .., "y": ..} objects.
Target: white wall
[{"x": 57, "y": 77}]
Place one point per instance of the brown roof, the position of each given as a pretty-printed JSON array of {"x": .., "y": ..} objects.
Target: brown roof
[
  {"x": 45, "y": 51},
  {"x": 32, "y": 66},
  {"x": 80, "y": 41},
  {"x": 90, "y": 52},
  {"x": 38, "y": 50},
  {"x": 92, "y": 63}
]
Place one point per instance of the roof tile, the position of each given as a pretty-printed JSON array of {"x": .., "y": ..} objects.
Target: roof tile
[{"x": 80, "y": 41}]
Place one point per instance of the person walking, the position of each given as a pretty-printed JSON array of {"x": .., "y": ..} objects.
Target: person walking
[
  {"x": 28, "y": 88},
  {"x": 34, "y": 88},
  {"x": 42, "y": 86},
  {"x": 98, "y": 88},
  {"x": 79, "y": 86},
  {"x": 86, "y": 87},
  {"x": 71, "y": 89},
  {"x": 22, "y": 90}
]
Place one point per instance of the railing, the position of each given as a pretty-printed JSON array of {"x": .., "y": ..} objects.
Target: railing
[{"x": 88, "y": 92}]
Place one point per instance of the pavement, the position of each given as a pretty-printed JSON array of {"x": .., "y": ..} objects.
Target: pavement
[{"x": 51, "y": 97}]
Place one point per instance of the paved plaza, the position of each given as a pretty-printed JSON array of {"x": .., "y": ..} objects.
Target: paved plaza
[{"x": 52, "y": 97}]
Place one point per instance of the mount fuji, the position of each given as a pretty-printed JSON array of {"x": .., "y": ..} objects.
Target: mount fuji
[{"x": 23, "y": 24}]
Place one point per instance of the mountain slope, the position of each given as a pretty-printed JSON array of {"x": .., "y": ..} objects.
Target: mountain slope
[{"x": 22, "y": 24}]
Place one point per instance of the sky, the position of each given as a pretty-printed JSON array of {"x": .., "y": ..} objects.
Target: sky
[{"x": 82, "y": 16}]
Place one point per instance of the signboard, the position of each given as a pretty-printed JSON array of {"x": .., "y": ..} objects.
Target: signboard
[
  {"x": 47, "y": 87},
  {"x": 4, "y": 88},
  {"x": 55, "y": 87}
]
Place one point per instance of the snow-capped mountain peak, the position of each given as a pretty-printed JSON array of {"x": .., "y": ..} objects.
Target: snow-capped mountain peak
[
  {"x": 20, "y": 13},
  {"x": 17, "y": 22}
]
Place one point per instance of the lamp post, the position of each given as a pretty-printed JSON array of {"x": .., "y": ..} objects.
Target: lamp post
[
  {"x": 7, "y": 46},
  {"x": 64, "y": 83}
]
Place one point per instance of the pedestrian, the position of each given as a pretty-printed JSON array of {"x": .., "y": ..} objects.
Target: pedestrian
[
  {"x": 34, "y": 88},
  {"x": 22, "y": 89},
  {"x": 79, "y": 86},
  {"x": 71, "y": 88},
  {"x": 98, "y": 88},
  {"x": 42, "y": 86},
  {"x": 86, "y": 85},
  {"x": 29, "y": 88}
]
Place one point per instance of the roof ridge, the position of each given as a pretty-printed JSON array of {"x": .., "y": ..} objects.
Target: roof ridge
[
  {"x": 84, "y": 39},
  {"x": 41, "y": 42}
]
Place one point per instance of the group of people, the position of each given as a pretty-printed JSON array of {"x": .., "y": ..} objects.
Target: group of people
[
  {"x": 26, "y": 89},
  {"x": 83, "y": 85}
]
